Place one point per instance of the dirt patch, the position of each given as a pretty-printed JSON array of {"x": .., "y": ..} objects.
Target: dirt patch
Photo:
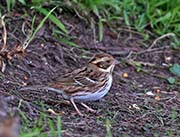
[{"x": 130, "y": 110}]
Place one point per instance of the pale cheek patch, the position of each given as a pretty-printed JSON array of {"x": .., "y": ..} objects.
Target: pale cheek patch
[
  {"x": 108, "y": 69},
  {"x": 100, "y": 60}
]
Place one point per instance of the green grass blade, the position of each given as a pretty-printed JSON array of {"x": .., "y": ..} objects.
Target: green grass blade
[
  {"x": 8, "y": 3},
  {"x": 42, "y": 22},
  {"x": 108, "y": 128},
  {"x": 65, "y": 41},
  {"x": 53, "y": 19},
  {"x": 126, "y": 18},
  {"x": 51, "y": 126},
  {"x": 22, "y": 2},
  {"x": 59, "y": 126},
  {"x": 25, "y": 45},
  {"x": 32, "y": 134},
  {"x": 100, "y": 24}
]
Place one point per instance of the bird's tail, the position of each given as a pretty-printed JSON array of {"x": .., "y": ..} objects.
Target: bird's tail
[{"x": 41, "y": 87}]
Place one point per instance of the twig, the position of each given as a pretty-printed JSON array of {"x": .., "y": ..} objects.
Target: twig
[
  {"x": 138, "y": 63},
  {"x": 3, "y": 65},
  {"x": 152, "y": 50},
  {"x": 159, "y": 38},
  {"x": 4, "y": 35}
]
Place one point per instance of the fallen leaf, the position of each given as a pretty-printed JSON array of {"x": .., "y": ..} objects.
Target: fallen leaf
[{"x": 175, "y": 69}]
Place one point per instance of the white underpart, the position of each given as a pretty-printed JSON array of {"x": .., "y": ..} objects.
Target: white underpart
[{"x": 101, "y": 92}]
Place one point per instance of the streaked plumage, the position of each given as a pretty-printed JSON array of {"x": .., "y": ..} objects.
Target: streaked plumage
[{"x": 89, "y": 83}]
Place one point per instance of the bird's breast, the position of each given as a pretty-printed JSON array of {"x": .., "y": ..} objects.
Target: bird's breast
[{"x": 96, "y": 95}]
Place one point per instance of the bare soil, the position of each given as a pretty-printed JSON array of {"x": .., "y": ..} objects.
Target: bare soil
[{"x": 131, "y": 111}]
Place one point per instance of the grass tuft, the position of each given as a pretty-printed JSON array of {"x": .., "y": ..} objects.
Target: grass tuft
[
  {"x": 41, "y": 126},
  {"x": 160, "y": 17}
]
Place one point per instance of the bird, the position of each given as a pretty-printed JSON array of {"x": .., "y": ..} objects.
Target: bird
[{"x": 86, "y": 84}]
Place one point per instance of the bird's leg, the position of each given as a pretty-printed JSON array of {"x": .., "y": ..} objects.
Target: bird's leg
[
  {"x": 88, "y": 108},
  {"x": 76, "y": 108}
]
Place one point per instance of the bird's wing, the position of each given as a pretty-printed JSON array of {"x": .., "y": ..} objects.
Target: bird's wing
[
  {"x": 84, "y": 81},
  {"x": 79, "y": 77},
  {"x": 76, "y": 81}
]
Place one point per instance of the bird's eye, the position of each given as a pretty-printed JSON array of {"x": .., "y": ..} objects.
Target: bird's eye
[{"x": 108, "y": 61}]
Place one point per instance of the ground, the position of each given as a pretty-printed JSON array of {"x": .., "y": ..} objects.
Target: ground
[{"x": 141, "y": 102}]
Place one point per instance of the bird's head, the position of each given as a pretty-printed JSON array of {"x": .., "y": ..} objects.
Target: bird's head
[{"x": 103, "y": 62}]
